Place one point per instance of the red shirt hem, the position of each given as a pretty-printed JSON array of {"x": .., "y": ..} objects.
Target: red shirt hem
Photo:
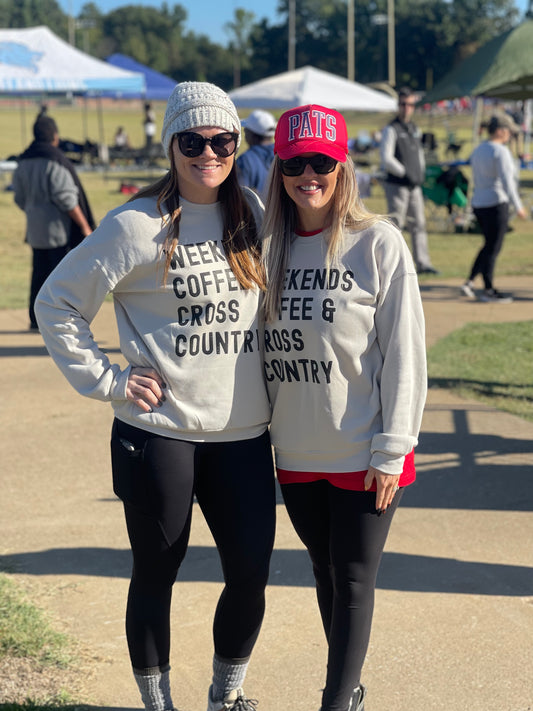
[{"x": 353, "y": 481}]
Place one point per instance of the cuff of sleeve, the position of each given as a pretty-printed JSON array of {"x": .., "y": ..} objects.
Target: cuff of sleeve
[
  {"x": 388, "y": 452},
  {"x": 387, "y": 463},
  {"x": 118, "y": 391}
]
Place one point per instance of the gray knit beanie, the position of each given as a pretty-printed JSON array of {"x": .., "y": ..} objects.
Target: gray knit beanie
[{"x": 193, "y": 104}]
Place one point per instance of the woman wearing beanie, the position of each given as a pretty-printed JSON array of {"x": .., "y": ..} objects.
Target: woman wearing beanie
[
  {"x": 181, "y": 260},
  {"x": 344, "y": 344}
]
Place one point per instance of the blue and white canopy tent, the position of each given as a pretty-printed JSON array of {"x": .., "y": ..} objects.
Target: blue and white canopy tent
[{"x": 34, "y": 61}]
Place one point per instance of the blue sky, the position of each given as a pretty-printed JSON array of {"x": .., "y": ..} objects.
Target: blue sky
[
  {"x": 207, "y": 16},
  {"x": 204, "y": 16}
]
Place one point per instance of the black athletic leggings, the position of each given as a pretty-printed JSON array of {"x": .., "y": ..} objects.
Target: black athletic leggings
[
  {"x": 345, "y": 538},
  {"x": 493, "y": 222},
  {"x": 157, "y": 478}
]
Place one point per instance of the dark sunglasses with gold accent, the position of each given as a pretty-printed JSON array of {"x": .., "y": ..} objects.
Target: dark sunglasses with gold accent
[
  {"x": 193, "y": 144},
  {"x": 320, "y": 164}
]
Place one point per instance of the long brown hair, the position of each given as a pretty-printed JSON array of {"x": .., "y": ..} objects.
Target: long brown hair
[{"x": 240, "y": 234}]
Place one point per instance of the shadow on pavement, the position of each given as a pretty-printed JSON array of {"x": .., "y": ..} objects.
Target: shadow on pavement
[{"x": 415, "y": 573}]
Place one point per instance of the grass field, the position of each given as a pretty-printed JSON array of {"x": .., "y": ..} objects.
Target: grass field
[{"x": 98, "y": 122}]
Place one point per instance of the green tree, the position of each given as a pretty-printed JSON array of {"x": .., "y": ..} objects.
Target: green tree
[
  {"x": 31, "y": 13},
  {"x": 202, "y": 60},
  {"x": 434, "y": 34},
  {"x": 143, "y": 32},
  {"x": 239, "y": 31}
]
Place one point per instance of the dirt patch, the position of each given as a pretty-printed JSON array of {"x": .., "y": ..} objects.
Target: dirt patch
[{"x": 23, "y": 679}]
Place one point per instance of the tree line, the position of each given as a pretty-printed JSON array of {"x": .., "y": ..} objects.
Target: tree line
[{"x": 431, "y": 37}]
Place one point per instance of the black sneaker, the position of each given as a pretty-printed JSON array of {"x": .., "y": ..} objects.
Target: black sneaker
[
  {"x": 492, "y": 296},
  {"x": 428, "y": 270}
]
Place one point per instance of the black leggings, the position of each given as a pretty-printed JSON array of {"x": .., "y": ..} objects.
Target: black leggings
[
  {"x": 493, "y": 222},
  {"x": 345, "y": 538},
  {"x": 44, "y": 263},
  {"x": 157, "y": 477}
]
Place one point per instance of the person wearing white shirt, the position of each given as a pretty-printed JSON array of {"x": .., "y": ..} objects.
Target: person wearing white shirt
[{"x": 495, "y": 188}]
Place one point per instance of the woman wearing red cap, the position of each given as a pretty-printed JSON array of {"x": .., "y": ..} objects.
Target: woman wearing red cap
[{"x": 346, "y": 371}]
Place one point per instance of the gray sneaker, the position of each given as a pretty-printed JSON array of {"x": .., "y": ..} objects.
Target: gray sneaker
[
  {"x": 357, "y": 702},
  {"x": 234, "y": 701},
  {"x": 466, "y": 290},
  {"x": 492, "y": 296}
]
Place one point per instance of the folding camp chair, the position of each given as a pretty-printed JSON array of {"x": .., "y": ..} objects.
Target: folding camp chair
[{"x": 445, "y": 192}]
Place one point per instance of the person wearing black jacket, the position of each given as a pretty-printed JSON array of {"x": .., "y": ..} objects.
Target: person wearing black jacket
[
  {"x": 58, "y": 215},
  {"x": 402, "y": 159}
]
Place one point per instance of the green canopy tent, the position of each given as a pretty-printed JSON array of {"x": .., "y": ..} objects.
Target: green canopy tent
[{"x": 501, "y": 68}]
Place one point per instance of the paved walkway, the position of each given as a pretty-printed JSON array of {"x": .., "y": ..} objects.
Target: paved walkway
[{"x": 453, "y": 625}]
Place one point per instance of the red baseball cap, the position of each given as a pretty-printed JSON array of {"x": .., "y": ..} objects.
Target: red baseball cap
[{"x": 311, "y": 129}]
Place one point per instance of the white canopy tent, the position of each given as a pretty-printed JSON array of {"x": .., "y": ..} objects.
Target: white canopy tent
[
  {"x": 35, "y": 60},
  {"x": 309, "y": 85}
]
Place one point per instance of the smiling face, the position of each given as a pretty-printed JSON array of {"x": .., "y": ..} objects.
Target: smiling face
[
  {"x": 313, "y": 195},
  {"x": 200, "y": 178}
]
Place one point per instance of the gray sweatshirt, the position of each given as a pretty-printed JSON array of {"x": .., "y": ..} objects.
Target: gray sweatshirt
[
  {"x": 199, "y": 330},
  {"x": 46, "y": 191},
  {"x": 495, "y": 176},
  {"x": 345, "y": 363}
]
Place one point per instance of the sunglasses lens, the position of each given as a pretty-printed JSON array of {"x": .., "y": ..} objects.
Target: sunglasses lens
[
  {"x": 191, "y": 144},
  {"x": 323, "y": 164},
  {"x": 224, "y": 144},
  {"x": 320, "y": 164},
  {"x": 293, "y": 166}
]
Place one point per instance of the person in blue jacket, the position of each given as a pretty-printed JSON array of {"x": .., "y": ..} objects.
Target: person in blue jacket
[{"x": 253, "y": 165}]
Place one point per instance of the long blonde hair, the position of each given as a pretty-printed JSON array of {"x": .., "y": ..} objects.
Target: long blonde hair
[
  {"x": 347, "y": 212},
  {"x": 240, "y": 235}
]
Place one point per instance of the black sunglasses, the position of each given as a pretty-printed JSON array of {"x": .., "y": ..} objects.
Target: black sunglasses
[
  {"x": 192, "y": 144},
  {"x": 319, "y": 163}
]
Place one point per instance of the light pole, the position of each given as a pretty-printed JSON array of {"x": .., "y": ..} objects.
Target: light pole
[
  {"x": 71, "y": 25},
  {"x": 350, "y": 31},
  {"x": 391, "y": 41},
  {"x": 292, "y": 36}
]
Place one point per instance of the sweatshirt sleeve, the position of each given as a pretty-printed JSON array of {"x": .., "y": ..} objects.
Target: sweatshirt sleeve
[
  {"x": 63, "y": 190},
  {"x": 401, "y": 335},
  {"x": 507, "y": 173},
  {"x": 66, "y": 305}
]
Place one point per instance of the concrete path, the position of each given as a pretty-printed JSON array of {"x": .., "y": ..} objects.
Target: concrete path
[{"x": 453, "y": 624}]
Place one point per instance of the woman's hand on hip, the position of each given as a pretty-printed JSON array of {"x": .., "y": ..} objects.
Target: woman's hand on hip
[
  {"x": 386, "y": 485},
  {"x": 145, "y": 388}
]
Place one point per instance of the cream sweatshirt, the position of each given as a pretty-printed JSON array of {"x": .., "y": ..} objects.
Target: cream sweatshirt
[
  {"x": 345, "y": 363},
  {"x": 199, "y": 330}
]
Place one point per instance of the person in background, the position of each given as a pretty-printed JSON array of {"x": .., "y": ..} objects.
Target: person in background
[
  {"x": 149, "y": 126},
  {"x": 121, "y": 139},
  {"x": 58, "y": 215},
  {"x": 495, "y": 187},
  {"x": 253, "y": 165},
  {"x": 345, "y": 368},
  {"x": 402, "y": 160},
  {"x": 181, "y": 260}
]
